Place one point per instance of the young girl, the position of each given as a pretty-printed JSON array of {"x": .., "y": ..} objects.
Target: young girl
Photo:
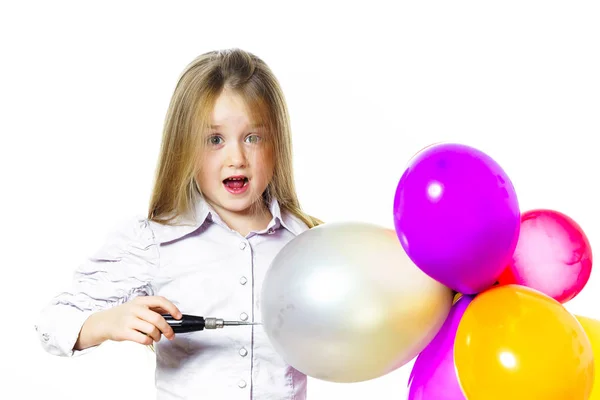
[{"x": 223, "y": 205}]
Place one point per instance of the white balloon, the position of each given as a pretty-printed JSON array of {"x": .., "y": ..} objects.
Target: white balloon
[{"x": 342, "y": 302}]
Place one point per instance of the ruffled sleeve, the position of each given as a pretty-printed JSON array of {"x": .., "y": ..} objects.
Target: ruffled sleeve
[{"x": 123, "y": 268}]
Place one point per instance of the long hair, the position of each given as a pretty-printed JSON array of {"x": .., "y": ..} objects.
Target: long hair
[{"x": 188, "y": 116}]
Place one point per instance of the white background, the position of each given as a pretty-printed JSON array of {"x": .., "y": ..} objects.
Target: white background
[{"x": 84, "y": 89}]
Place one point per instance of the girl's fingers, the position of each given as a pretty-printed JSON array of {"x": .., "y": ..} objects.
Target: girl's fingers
[
  {"x": 147, "y": 328},
  {"x": 138, "y": 337},
  {"x": 159, "y": 310},
  {"x": 157, "y": 321},
  {"x": 160, "y": 302}
]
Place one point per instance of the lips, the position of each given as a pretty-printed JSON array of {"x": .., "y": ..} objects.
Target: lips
[{"x": 236, "y": 184}]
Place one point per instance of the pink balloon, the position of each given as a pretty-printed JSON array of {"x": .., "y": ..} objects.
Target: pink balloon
[
  {"x": 433, "y": 375},
  {"x": 553, "y": 255}
]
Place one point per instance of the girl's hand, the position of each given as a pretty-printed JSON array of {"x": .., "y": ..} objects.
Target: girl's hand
[{"x": 138, "y": 320}]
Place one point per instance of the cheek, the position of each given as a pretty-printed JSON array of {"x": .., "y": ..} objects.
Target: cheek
[
  {"x": 209, "y": 171},
  {"x": 264, "y": 164}
]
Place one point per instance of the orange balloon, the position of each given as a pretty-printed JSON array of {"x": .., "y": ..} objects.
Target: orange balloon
[
  {"x": 516, "y": 343},
  {"x": 592, "y": 329}
]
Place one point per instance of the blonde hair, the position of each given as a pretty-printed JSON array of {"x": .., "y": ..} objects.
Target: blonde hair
[{"x": 188, "y": 116}]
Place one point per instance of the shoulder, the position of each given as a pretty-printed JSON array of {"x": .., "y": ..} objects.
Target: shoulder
[
  {"x": 134, "y": 228},
  {"x": 132, "y": 235},
  {"x": 293, "y": 224}
]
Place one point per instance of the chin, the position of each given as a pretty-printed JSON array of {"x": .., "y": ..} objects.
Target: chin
[
  {"x": 237, "y": 208},
  {"x": 236, "y": 205}
]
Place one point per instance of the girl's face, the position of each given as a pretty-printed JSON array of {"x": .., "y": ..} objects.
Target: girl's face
[{"x": 237, "y": 165}]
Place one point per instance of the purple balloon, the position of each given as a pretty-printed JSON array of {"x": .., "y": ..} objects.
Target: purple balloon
[
  {"x": 433, "y": 375},
  {"x": 457, "y": 216}
]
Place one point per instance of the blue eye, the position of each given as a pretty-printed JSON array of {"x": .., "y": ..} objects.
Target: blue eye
[
  {"x": 215, "y": 140},
  {"x": 253, "y": 138}
]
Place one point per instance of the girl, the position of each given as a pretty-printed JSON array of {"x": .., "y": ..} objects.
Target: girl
[{"x": 223, "y": 205}]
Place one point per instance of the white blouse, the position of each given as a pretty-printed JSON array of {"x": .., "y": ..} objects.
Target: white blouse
[{"x": 205, "y": 269}]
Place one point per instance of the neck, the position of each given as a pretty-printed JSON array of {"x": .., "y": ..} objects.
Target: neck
[{"x": 245, "y": 221}]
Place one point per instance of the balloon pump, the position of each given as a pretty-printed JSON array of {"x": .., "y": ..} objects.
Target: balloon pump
[{"x": 194, "y": 323}]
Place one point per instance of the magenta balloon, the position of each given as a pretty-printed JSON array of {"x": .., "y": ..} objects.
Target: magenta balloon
[
  {"x": 457, "y": 216},
  {"x": 433, "y": 375}
]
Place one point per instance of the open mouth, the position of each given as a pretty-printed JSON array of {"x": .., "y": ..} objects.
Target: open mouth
[{"x": 236, "y": 184}]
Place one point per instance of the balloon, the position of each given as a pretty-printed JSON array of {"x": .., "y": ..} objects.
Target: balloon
[
  {"x": 592, "y": 329},
  {"x": 433, "y": 375},
  {"x": 342, "y": 302},
  {"x": 516, "y": 343},
  {"x": 456, "y": 214},
  {"x": 553, "y": 255}
]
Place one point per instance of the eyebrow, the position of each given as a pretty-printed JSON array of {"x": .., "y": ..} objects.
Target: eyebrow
[{"x": 252, "y": 126}]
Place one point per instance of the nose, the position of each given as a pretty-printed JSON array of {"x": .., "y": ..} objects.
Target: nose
[{"x": 236, "y": 157}]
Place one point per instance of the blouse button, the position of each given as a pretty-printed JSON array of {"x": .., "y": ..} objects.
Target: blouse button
[
  {"x": 243, "y": 316},
  {"x": 242, "y": 245},
  {"x": 46, "y": 337},
  {"x": 243, "y": 280},
  {"x": 243, "y": 352},
  {"x": 242, "y": 384}
]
